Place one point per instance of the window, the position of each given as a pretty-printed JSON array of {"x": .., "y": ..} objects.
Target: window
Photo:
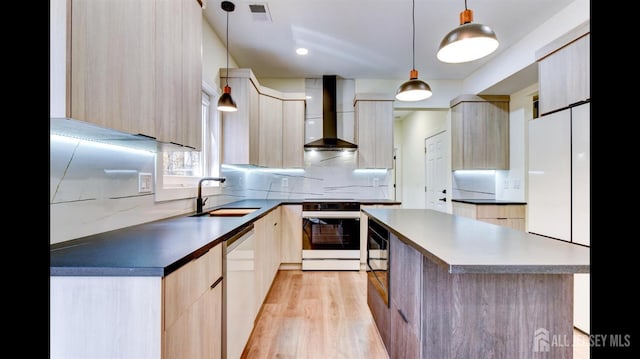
[{"x": 178, "y": 172}]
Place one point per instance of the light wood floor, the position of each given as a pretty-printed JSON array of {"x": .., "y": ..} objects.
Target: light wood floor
[
  {"x": 325, "y": 315},
  {"x": 316, "y": 315}
]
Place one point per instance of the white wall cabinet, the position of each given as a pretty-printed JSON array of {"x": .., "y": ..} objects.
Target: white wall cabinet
[
  {"x": 134, "y": 67},
  {"x": 374, "y": 130},
  {"x": 559, "y": 185},
  {"x": 550, "y": 175}
]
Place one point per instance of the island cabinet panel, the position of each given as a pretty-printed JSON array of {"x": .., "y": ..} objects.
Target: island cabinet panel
[
  {"x": 406, "y": 299},
  {"x": 495, "y": 315},
  {"x": 379, "y": 310}
]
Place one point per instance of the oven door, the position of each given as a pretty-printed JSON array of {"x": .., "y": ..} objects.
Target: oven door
[
  {"x": 378, "y": 259},
  {"x": 329, "y": 230}
]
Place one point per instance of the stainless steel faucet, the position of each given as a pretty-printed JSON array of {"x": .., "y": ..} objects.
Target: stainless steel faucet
[{"x": 199, "y": 201}]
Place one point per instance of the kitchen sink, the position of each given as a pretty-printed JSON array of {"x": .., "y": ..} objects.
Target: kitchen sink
[{"x": 231, "y": 212}]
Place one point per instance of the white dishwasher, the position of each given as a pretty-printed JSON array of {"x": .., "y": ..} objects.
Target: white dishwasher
[{"x": 239, "y": 298}]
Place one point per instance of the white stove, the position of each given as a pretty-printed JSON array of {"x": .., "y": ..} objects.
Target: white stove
[{"x": 331, "y": 235}]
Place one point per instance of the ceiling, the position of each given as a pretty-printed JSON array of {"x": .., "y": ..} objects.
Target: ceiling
[{"x": 365, "y": 38}]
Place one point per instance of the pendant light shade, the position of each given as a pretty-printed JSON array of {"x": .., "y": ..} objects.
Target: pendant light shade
[
  {"x": 225, "y": 102},
  {"x": 414, "y": 89},
  {"x": 468, "y": 41}
]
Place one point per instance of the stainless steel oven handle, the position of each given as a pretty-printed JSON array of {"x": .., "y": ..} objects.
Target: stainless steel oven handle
[{"x": 330, "y": 214}]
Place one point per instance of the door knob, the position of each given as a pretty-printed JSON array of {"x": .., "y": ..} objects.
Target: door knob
[{"x": 443, "y": 199}]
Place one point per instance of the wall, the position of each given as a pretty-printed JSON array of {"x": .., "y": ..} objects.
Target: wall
[
  {"x": 94, "y": 188},
  {"x": 511, "y": 185},
  {"x": 214, "y": 56},
  {"x": 412, "y": 131},
  {"x": 522, "y": 54}
]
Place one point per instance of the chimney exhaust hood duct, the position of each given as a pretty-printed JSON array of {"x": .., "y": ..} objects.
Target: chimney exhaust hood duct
[{"x": 329, "y": 140}]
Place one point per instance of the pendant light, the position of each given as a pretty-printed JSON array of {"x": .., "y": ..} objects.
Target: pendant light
[
  {"x": 468, "y": 41},
  {"x": 225, "y": 102},
  {"x": 414, "y": 89}
]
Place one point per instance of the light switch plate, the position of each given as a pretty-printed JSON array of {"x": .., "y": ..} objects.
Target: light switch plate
[{"x": 145, "y": 182}]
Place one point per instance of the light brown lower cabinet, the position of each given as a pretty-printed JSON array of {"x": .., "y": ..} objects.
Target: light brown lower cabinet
[
  {"x": 507, "y": 215},
  {"x": 178, "y": 316},
  {"x": 193, "y": 308}
]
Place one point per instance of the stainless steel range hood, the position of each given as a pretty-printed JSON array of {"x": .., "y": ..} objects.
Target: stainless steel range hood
[{"x": 329, "y": 140}]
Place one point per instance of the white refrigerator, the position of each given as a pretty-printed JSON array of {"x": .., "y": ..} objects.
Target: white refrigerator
[{"x": 559, "y": 183}]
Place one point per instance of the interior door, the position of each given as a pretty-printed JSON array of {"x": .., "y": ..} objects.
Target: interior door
[{"x": 436, "y": 172}]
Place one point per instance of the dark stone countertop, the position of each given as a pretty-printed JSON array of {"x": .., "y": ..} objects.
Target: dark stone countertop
[
  {"x": 151, "y": 249},
  {"x": 160, "y": 247},
  {"x": 464, "y": 245}
]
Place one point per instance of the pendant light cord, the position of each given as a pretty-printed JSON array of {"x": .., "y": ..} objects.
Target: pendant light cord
[
  {"x": 465, "y": 4},
  {"x": 413, "y": 21},
  {"x": 227, "y": 75}
]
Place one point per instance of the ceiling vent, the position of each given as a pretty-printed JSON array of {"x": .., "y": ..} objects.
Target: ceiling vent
[{"x": 260, "y": 12}]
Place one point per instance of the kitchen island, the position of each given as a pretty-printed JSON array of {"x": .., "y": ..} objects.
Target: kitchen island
[{"x": 461, "y": 288}]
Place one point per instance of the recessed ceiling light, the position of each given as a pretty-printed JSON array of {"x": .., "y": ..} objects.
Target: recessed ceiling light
[{"x": 302, "y": 51}]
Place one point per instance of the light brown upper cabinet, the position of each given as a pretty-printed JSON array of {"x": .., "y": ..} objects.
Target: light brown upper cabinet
[
  {"x": 270, "y": 132},
  {"x": 293, "y": 133},
  {"x": 564, "y": 70},
  {"x": 374, "y": 130},
  {"x": 135, "y": 66},
  {"x": 268, "y": 128},
  {"x": 480, "y": 132}
]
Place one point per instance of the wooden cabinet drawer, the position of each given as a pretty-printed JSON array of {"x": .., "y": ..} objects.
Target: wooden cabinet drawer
[
  {"x": 500, "y": 211},
  {"x": 184, "y": 286},
  {"x": 515, "y": 223}
]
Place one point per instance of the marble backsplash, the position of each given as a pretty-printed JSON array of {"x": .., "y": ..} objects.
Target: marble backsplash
[
  {"x": 326, "y": 174},
  {"x": 473, "y": 185},
  {"x": 94, "y": 186}
]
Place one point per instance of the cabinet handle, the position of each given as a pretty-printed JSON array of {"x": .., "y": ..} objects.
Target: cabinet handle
[
  {"x": 215, "y": 284},
  {"x": 444, "y": 191},
  {"x": 404, "y": 317},
  {"x": 143, "y": 135},
  {"x": 443, "y": 199},
  {"x": 275, "y": 224},
  {"x": 201, "y": 254}
]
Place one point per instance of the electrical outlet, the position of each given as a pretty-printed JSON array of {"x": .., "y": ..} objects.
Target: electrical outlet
[
  {"x": 145, "y": 182},
  {"x": 375, "y": 182},
  {"x": 506, "y": 184},
  {"x": 284, "y": 182},
  {"x": 516, "y": 183}
]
